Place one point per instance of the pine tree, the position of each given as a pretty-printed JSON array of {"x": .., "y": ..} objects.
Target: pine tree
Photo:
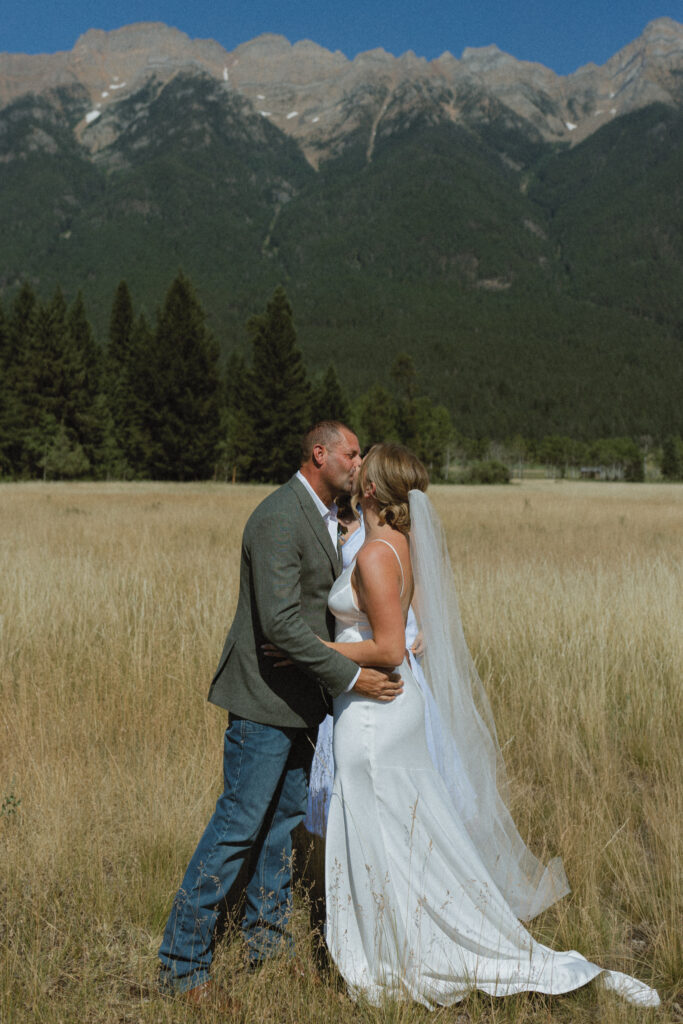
[
  {"x": 120, "y": 373},
  {"x": 20, "y": 326},
  {"x": 121, "y": 322},
  {"x": 433, "y": 433},
  {"x": 279, "y": 399},
  {"x": 404, "y": 376},
  {"x": 42, "y": 383},
  {"x": 83, "y": 371},
  {"x": 237, "y": 448},
  {"x": 377, "y": 416},
  {"x": 4, "y": 339},
  {"x": 5, "y": 399},
  {"x": 672, "y": 458},
  {"x": 64, "y": 458},
  {"x": 106, "y": 458},
  {"x": 184, "y": 417},
  {"x": 141, "y": 414},
  {"x": 329, "y": 401},
  {"x": 18, "y": 333}
]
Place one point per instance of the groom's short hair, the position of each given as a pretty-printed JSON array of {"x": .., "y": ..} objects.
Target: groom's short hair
[{"x": 327, "y": 433}]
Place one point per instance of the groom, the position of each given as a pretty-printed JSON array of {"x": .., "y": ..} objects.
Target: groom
[{"x": 290, "y": 559}]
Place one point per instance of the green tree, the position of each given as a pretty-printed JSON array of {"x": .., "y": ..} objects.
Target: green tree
[
  {"x": 20, "y": 325},
  {"x": 5, "y": 393},
  {"x": 404, "y": 376},
  {"x": 422, "y": 426},
  {"x": 517, "y": 451},
  {"x": 279, "y": 398},
  {"x": 329, "y": 401},
  {"x": 120, "y": 374},
  {"x": 183, "y": 415},
  {"x": 141, "y": 410},
  {"x": 17, "y": 335},
  {"x": 64, "y": 458},
  {"x": 559, "y": 452},
  {"x": 633, "y": 461},
  {"x": 237, "y": 447},
  {"x": 4, "y": 337},
  {"x": 672, "y": 458},
  {"x": 42, "y": 383},
  {"x": 106, "y": 458},
  {"x": 377, "y": 416},
  {"x": 433, "y": 432},
  {"x": 619, "y": 456},
  {"x": 83, "y": 371}
]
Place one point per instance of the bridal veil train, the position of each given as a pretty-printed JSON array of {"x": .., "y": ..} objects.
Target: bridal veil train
[{"x": 427, "y": 877}]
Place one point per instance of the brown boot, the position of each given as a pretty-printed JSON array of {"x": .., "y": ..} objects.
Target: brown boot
[{"x": 209, "y": 996}]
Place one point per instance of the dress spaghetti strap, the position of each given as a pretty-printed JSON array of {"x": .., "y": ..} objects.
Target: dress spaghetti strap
[{"x": 380, "y": 540}]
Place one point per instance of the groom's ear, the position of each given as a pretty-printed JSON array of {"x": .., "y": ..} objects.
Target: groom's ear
[{"x": 318, "y": 454}]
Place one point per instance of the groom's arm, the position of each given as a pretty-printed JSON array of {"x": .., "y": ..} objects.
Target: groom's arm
[
  {"x": 276, "y": 566},
  {"x": 276, "y": 578}
]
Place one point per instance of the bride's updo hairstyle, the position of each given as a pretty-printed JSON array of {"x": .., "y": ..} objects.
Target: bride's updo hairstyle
[{"x": 395, "y": 471}]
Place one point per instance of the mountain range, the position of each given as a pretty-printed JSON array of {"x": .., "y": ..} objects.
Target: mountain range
[{"x": 516, "y": 231}]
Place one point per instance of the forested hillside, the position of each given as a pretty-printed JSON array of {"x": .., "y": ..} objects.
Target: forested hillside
[{"x": 536, "y": 286}]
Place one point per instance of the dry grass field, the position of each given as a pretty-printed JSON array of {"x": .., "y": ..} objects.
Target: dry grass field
[{"x": 115, "y": 601}]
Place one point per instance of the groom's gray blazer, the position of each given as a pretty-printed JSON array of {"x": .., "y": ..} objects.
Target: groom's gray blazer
[{"x": 287, "y": 567}]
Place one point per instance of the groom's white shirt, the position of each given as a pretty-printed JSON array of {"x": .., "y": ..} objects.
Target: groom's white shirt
[
  {"x": 328, "y": 514},
  {"x": 330, "y": 517}
]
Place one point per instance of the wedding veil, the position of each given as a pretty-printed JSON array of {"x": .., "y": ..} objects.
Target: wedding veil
[{"x": 466, "y": 725}]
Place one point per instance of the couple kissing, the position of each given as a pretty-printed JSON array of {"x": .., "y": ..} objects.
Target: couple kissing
[{"x": 427, "y": 878}]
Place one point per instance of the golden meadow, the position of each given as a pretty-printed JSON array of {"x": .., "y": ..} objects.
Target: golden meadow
[{"x": 115, "y": 602}]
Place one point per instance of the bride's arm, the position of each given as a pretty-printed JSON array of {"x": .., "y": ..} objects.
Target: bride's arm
[{"x": 378, "y": 585}]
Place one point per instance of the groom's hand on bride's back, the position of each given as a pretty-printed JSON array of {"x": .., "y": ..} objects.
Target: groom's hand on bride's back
[
  {"x": 374, "y": 683},
  {"x": 378, "y": 684}
]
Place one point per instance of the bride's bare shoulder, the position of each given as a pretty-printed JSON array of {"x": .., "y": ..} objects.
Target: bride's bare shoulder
[{"x": 377, "y": 555}]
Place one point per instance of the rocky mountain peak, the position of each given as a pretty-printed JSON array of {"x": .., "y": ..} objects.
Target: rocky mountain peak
[
  {"x": 486, "y": 56},
  {"x": 141, "y": 35},
  {"x": 318, "y": 96},
  {"x": 662, "y": 30}
]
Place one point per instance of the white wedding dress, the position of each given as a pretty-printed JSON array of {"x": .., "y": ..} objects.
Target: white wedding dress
[
  {"x": 412, "y": 910},
  {"x": 322, "y": 767}
]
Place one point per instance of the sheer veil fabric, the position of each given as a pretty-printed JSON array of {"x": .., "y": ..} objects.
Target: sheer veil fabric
[{"x": 465, "y": 724}]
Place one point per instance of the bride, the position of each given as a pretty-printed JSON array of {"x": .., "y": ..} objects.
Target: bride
[{"x": 427, "y": 878}]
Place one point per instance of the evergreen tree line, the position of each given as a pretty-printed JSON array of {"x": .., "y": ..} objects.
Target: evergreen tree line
[
  {"x": 154, "y": 402},
  {"x": 270, "y": 404},
  {"x": 147, "y": 405}
]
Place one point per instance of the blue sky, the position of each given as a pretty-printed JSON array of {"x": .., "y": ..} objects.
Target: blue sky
[{"x": 563, "y": 36}]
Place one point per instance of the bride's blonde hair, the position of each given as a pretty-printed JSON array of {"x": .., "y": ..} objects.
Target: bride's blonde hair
[{"x": 394, "y": 470}]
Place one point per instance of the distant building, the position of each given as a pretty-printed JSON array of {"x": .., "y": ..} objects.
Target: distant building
[{"x": 602, "y": 472}]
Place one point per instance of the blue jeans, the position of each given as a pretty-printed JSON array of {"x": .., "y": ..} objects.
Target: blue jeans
[{"x": 265, "y": 772}]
